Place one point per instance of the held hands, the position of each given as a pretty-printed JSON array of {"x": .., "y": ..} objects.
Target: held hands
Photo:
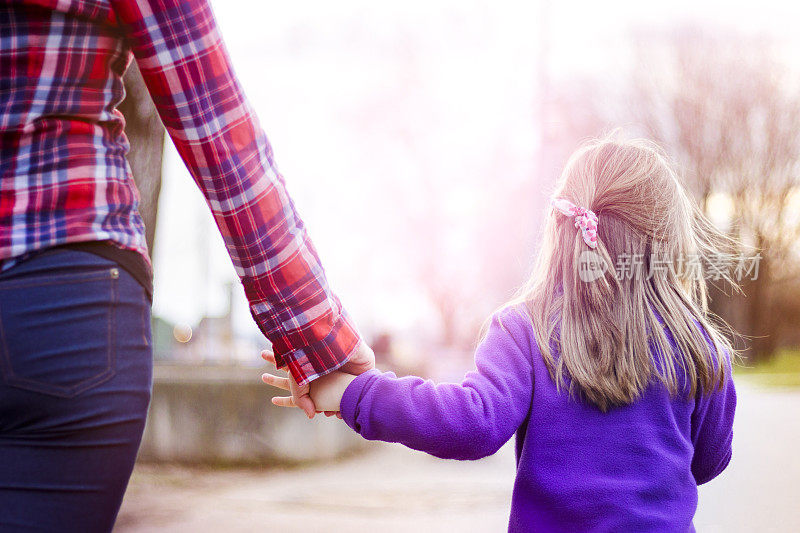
[{"x": 324, "y": 393}]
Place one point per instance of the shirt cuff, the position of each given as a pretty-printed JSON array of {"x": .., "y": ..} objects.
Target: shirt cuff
[
  {"x": 352, "y": 395},
  {"x": 322, "y": 356}
]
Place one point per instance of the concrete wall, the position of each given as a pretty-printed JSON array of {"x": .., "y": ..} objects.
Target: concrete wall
[{"x": 223, "y": 414}]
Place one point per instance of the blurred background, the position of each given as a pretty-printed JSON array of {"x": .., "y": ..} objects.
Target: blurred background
[{"x": 420, "y": 141}]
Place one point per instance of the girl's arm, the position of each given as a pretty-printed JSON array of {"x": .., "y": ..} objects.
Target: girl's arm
[
  {"x": 469, "y": 420},
  {"x": 712, "y": 429}
]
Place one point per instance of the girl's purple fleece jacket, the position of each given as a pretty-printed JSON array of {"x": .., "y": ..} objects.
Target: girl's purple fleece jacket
[{"x": 634, "y": 468}]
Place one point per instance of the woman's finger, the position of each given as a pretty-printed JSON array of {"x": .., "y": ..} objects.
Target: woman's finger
[
  {"x": 269, "y": 356},
  {"x": 304, "y": 402},
  {"x": 275, "y": 381},
  {"x": 283, "y": 401}
]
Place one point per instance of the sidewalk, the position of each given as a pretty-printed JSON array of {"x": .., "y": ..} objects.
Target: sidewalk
[{"x": 391, "y": 489}]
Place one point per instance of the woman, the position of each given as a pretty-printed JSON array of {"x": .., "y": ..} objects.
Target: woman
[{"x": 75, "y": 277}]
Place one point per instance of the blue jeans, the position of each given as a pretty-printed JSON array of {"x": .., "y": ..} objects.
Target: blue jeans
[{"x": 75, "y": 382}]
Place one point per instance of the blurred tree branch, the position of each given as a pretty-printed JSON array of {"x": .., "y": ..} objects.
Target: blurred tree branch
[{"x": 728, "y": 108}]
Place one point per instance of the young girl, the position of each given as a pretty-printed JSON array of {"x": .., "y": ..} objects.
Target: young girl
[{"x": 608, "y": 367}]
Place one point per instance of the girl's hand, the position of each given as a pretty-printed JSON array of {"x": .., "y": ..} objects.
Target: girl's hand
[{"x": 327, "y": 391}]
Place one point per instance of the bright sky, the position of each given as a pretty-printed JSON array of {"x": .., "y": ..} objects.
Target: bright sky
[{"x": 368, "y": 103}]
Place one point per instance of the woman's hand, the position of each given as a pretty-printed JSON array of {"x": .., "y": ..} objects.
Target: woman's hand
[
  {"x": 299, "y": 398},
  {"x": 360, "y": 361}
]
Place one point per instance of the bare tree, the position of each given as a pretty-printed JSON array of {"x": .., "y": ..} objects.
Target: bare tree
[{"x": 728, "y": 108}]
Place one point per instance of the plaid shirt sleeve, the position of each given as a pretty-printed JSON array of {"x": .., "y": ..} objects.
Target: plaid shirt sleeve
[{"x": 190, "y": 77}]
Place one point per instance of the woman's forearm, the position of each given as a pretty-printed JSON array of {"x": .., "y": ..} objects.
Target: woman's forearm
[{"x": 186, "y": 68}]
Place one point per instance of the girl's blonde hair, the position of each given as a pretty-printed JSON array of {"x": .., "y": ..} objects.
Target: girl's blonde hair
[{"x": 605, "y": 336}]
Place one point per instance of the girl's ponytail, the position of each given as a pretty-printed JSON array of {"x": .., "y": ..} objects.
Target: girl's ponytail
[{"x": 609, "y": 307}]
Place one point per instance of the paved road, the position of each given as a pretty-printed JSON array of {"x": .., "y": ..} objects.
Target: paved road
[{"x": 391, "y": 489}]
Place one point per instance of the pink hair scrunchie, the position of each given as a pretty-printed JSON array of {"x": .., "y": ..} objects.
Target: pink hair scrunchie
[{"x": 585, "y": 219}]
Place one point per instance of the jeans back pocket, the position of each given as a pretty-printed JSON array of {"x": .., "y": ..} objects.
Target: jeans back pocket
[{"x": 57, "y": 330}]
